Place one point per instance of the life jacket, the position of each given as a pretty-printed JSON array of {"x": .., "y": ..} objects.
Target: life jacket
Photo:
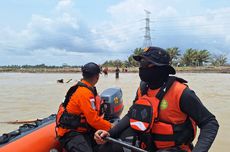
[
  {"x": 68, "y": 121},
  {"x": 168, "y": 126}
]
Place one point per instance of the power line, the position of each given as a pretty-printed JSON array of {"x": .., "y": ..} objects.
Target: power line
[
  {"x": 147, "y": 37},
  {"x": 182, "y": 18}
]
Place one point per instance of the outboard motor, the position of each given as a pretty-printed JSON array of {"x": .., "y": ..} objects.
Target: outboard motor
[{"x": 112, "y": 105}]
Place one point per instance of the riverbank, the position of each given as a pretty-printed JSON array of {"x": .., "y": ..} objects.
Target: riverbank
[{"x": 204, "y": 69}]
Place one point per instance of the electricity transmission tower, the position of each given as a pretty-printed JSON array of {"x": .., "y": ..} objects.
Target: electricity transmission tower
[{"x": 147, "y": 36}]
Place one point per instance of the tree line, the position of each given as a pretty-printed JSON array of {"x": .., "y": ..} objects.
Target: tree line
[
  {"x": 190, "y": 57},
  {"x": 39, "y": 66}
]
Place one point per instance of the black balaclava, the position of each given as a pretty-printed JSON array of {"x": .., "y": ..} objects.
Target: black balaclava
[{"x": 154, "y": 76}]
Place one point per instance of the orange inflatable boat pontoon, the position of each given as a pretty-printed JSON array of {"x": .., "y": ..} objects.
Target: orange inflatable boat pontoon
[{"x": 37, "y": 137}]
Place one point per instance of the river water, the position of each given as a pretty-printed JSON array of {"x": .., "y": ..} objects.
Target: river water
[{"x": 26, "y": 96}]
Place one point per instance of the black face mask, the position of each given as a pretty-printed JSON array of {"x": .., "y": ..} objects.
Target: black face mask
[{"x": 154, "y": 76}]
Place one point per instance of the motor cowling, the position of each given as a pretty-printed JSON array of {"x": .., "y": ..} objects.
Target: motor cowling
[{"x": 112, "y": 103}]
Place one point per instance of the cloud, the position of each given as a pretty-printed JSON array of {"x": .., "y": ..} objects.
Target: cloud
[
  {"x": 64, "y": 5},
  {"x": 210, "y": 31},
  {"x": 64, "y": 37},
  {"x": 61, "y": 32}
]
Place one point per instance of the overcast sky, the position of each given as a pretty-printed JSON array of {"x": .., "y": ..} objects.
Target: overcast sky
[{"x": 54, "y": 32}]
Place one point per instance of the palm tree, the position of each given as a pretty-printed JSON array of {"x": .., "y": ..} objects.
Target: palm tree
[
  {"x": 202, "y": 57},
  {"x": 219, "y": 60},
  {"x": 189, "y": 57},
  {"x": 137, "y": 51},
  {"x": 174, "y": 54}
]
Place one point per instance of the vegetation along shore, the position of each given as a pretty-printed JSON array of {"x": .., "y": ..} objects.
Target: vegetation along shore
[
  {"x": 203, "y": 69},
  {"x": 191, "y": 60}
]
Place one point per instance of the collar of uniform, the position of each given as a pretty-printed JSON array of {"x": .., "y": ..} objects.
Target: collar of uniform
[{"x": 86, "y": 82}]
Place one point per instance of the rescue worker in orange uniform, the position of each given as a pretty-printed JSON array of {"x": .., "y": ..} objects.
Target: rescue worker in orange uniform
[
  {"x": 79, "y": 115},
  {"x": 177, "y": 111}
]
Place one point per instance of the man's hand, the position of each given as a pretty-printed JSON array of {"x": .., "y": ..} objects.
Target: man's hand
[{"x": 100, "y": 135}]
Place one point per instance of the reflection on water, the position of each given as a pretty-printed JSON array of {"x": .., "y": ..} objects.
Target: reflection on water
[{"x": 29, "y": 96}]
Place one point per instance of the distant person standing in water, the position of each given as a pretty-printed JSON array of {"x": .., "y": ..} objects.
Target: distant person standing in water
[
  {"x": 117, "y": 71},
  {"x": 105, "y": 71},
  {"x": 126, "y": 70}
]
